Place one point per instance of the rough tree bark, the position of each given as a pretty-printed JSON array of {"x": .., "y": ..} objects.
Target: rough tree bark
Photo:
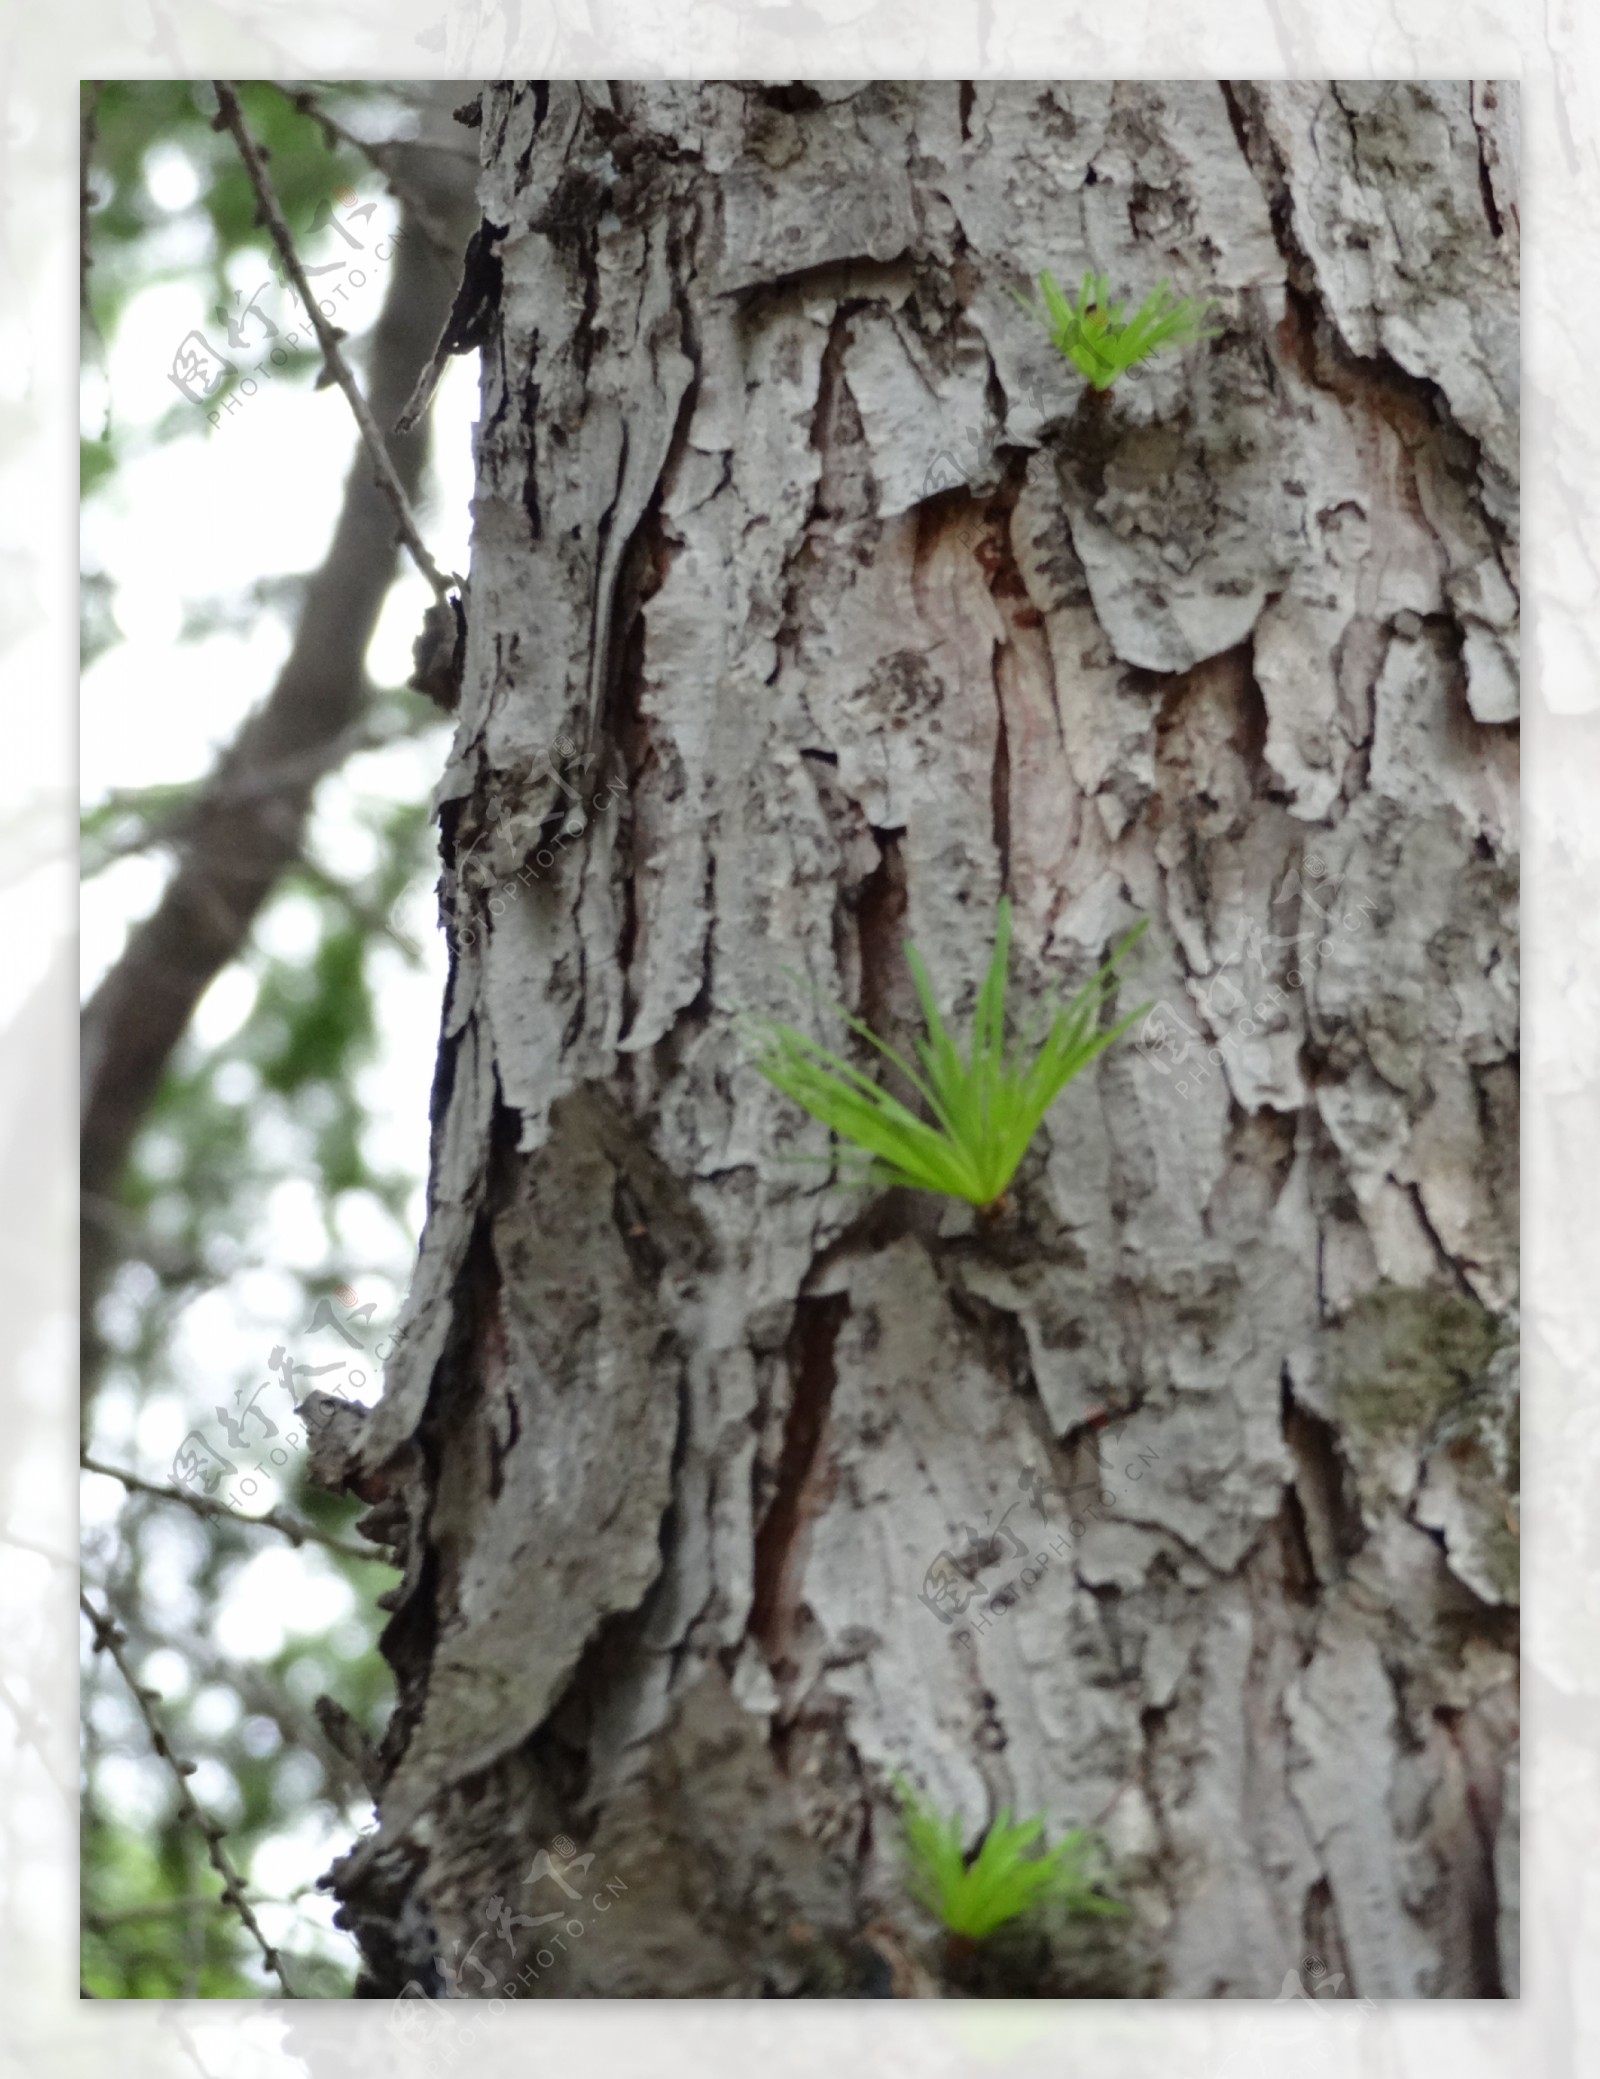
[{"x": 677, "y": 1429}]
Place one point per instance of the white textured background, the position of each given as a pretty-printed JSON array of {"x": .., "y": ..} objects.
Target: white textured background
[{"x": 1555, "y": 2029}]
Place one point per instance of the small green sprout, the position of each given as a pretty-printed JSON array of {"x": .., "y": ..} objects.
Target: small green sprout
[
  {"x": 986, "y": 1108},
  {"x": 1091, "y": 333},
  {"x": 1004, "y": 1879}
]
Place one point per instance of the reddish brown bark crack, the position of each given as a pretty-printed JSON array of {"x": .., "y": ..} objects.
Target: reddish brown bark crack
[{"x": 800, "y": 1483}]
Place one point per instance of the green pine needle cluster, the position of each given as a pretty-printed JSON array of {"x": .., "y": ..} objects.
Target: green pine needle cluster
[
  {"x": 985, "y": 1107},
  {"x": 1004, "y": 1879},
  {"x": 1094, "y": 339}
]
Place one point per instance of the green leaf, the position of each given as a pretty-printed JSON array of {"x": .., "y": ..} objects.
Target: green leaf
[
  {"x": 1008, "y": 1875},
  {"x": 1091, "y": 334},
  {"x": 985, "y": 1108}
]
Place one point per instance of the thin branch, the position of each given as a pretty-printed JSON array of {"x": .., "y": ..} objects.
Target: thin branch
[
  {"x": 345, "y": 1786},
  {"x": 231, "y": 117},
  {"x": 377, "y": 155},
  {"x": 374, "y": 731},
  {"x": 294, "y": 1528},
  {"x": 110, "y": 1638},
  {"x": 374, "y": 922}
]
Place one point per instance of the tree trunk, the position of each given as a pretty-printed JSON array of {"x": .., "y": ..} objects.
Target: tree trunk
[{"x": 1178, "y": 1499}]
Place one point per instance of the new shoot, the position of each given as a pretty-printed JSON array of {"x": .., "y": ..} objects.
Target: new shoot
[
  {"x": 984, "y": 1107},
  {"x": 1008, "y": 1875},
  {"x": 1092, "y": 336}
]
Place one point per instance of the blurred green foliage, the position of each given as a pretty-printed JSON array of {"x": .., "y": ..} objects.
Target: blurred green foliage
[
  {"x": 295, "y": 1061},
  {"x": 154, "y": 1923},
  {"x": 278, "y": 1100},
  {"x": 130, "y": 129},
  {"x": 135, "y": 242}
]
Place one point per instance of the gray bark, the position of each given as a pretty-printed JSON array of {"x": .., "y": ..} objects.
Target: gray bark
[{"x": 677, "y": 1428}]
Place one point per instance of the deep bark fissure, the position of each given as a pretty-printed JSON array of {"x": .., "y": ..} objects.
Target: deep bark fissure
[
  {"x": 1327, "y": 1516},
  {"x": 1482, "y": 1889},
  {"x": 1326, "y": 357},
  {"x": 812, "y": 1375},
  {"x": 1486, "y": 189},
  {"x": 880, "y": 911}
]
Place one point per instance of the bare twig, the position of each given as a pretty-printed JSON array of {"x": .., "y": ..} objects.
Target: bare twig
[
  {"x": 231, "y": 117},
  {"x": 265, "y": 1698},
  {"x": 294, "y": 1528},
  {"x": 110, "y": 1638},
  {"x": 378, "y": 155}
]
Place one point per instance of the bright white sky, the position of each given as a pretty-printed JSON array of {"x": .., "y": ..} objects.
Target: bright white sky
[{"x": 199, "y": 519}]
